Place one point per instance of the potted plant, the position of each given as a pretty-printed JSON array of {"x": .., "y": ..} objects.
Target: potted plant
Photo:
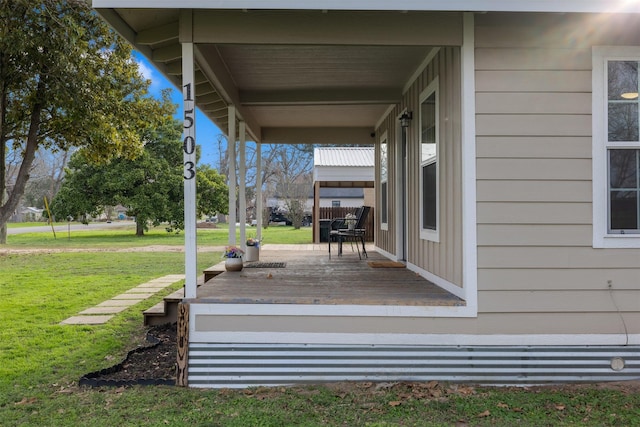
[
  {"x": 233, "y": 258},
  {"x": 350, "y": 220},
  {"x": 253, "y": 249}
]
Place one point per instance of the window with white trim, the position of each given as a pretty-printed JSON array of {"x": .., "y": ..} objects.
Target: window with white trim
[
  {"x": 429, "y": 168},
  {"x": 384, "y": 182},
  {"x": 616, "y": 147}
]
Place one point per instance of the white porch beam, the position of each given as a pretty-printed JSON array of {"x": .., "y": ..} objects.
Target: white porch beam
[
  {"x": 231, "y": 151},
  {"x": 585, "y": 6},
  {"x": 189, "y": 158},
  {"x": 316, "y": 212},
  {"x": 243, "y": 185},
  {"x": 282, "y": 135}
]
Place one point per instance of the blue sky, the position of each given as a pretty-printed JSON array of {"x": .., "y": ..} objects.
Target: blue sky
[{"x": 206, "y": 131}]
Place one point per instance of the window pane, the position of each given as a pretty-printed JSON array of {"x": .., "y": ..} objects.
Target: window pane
[
  {"x": 383, "y": 197},
  {"x": 383, "y": 161},
  {"x": 623, "y": 121},
  {"x": 429, "y": 196},
  {"x": 624, "y": 188},
  {"x": 623, "y": 79},
  {"x": 335, "y": 203},
  {"x": 623, "y": 169},
  {"x": 428, "y": 131},
  {"x": 624, "y": 210}
]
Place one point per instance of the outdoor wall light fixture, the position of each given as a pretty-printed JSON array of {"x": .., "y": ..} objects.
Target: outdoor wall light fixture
[{"x": 405, "y": 119}]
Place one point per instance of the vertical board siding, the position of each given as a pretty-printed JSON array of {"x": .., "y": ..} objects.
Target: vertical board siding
[
  {"x": 386, "y": 239},
  {"x": 533, "y": 110},
  {"x": 444, "y": 258}
]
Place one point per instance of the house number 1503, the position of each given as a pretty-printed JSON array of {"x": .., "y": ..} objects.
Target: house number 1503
[{"x": 189, "y": 142}]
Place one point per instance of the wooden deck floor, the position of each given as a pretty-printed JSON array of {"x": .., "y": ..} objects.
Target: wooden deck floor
[{"x": 309, "y": 277}]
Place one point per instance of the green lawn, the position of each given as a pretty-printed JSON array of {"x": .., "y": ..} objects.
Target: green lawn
[
  {"x": 41, "y": 362},
  {"x": 125, "y": 237}
]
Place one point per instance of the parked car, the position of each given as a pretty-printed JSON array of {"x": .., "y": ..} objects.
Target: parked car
[{"x": 279, "y": 217}]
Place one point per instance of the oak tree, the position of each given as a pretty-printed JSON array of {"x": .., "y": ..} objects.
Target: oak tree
[{"x": 66, "y": 80}]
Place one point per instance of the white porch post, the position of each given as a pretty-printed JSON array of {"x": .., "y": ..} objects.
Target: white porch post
[
  {"x": 231, "y": 150},
  {"x": 189, "y": 159},
  {"x": 258, "y": 191},
  {"x": 243, "y": 185}
]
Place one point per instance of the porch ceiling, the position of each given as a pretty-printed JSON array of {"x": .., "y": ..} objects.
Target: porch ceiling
[{"x": 299, "y": 77}]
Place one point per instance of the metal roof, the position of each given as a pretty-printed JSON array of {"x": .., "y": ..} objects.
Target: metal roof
[{"x": 344, "y": 156}]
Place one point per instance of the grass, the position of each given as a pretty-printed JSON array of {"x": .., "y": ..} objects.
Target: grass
[
  {"x": 41, "y": 361},
  {"x": 31, "y": 224},
  {"x": 125, "y": 237}
]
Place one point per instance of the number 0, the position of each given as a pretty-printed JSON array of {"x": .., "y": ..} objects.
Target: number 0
[{"x": 189, "y": 145}]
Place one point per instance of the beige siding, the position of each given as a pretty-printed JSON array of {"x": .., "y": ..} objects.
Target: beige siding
[
  {"x": 487, "y": 324},
  {"x": 534, "y": 147},
  {"x": 555, "y": 279},
  {"x": 534, "y": 189}
]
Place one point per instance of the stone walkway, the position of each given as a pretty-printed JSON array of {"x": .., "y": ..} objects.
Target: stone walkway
[{"x": 104, "y": 311}]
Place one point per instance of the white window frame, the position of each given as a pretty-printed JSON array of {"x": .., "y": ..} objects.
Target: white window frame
[
  {"x": 428, "y": 234},
  {"x": 600, "y": 146},
  {"x": 384, "y": 180}
]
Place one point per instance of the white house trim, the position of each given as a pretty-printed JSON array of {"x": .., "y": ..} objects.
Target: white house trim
[
  {"x": 586, "y": 6},
  {"x": 412, "y": 339},
  {"x": 189, "y": 160},
  {"x": 600, "y": 144},
  {"x": 469, "y": 198},
  {"x": 204, "y": 308}
]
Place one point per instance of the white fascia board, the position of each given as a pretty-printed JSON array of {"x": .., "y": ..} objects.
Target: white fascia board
[{"x": 588, "y": 6}]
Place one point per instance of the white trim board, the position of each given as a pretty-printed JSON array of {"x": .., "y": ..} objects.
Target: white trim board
[
  {"x": 469, "y": 196},
  {"x": 587, "y": 6},
  {"x": 303, "y": 310},
  {"x": 412, "y": 339}
]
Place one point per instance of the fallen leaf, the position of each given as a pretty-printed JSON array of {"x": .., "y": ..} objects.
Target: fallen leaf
[
  {"x": 119, "y": 390},
  {"x": 395, "y": 403},
  {"x": 484, "y": 414},
  {"x": 560, "y": 407},
  {"x": 364, "y": 385},
  {"x": 432, "y": 384},
  {"x": 502, "y": 405},
  {"x": 269, "y": 276}
]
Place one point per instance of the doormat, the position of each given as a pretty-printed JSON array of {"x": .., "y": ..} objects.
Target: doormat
[
  {"x": 386, "y": 264},
  {"x": 265, "y": 265}
]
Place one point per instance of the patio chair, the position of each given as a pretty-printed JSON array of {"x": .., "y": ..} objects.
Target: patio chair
[{"x": 341, "y": 232}]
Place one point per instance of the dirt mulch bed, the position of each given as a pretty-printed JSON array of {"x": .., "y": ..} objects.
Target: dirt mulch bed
[{"x": 150, "y": 365}]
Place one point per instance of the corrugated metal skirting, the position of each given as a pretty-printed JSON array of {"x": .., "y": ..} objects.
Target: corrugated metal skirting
[{"x": 237, "y": 365}]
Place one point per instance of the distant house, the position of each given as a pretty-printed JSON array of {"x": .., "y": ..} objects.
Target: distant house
[
  {"x": 342, "y": 171},
  {"x": 27, "y": 214},
  {"x": 335, "y": 197}
]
